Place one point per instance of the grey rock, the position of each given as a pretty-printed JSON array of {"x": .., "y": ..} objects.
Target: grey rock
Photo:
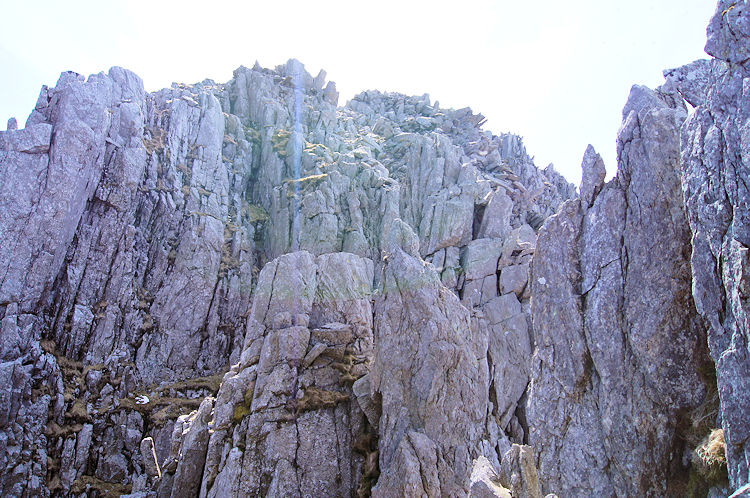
[
  {"x": 34, "y": 139},
  {"x": 518, "y": 472},
  {"x": 592, "y": 178},
  {"x": 192, "y": 456},
  {"x": 618, "y": 343},
  {"x": 714, "y": 157},
  {"x": 729, "y": 31},
  {"x": 227, "y": 481},
  {"x": 480, "y": 258},
  {"x": 309, "y": 402},
  {"x": 364, "y": 393},
  {"x": 113, "y": 467},
  {"x": 148, "y": 454},
  {"x": 402, "y": 237},
  {"x": 741, "y": 492},
  {"x": 141, "y": 227},
  {"x": 67, "y": 468},
  {"x": 83, "y": 444},
  {"x": 641, "y": 100},
  {"x": 497, "y": 215},
  {"x": 408, "y": 372},
  {"x": 502, "y": 308},
  {"x": 514, "y": 278},
  {"x": 693, "y": 81},
  {"x": 485, "y": 481}
]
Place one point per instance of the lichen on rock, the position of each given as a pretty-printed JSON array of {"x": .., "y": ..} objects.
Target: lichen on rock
[{"x": 241, "y": 288}]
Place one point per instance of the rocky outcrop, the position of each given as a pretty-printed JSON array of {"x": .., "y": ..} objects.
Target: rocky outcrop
[
  {"x": 714, "y": 179},
  {"x": 619, "y": 344},
  {"x": 140, "y": 224},
  {"x": 427, "y": 373},
  {"x": 243, "y": 289},
  {"x": 286, "y": 421}
]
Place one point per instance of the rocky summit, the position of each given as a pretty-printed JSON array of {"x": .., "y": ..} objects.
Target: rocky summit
[{"x": 242, "y": 289}]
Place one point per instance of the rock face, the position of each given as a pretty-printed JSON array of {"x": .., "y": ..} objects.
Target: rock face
[
  {"x": 287, "y": 410},
  {"x": 242, "y": 289},
  {"x": 619, "y": 344},
  {"x": 246, "y": 241},
  {"x": 715, "y": 152},
  {"x": 432, "y": 419}
]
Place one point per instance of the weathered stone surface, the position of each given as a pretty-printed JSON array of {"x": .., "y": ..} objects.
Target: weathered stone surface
[
  {"x": 741, "y": 492},
  {"x": 180, "y": 232},
  {"x": 592, "y": 179},
  {"x": 140, "y": 223},
  {"x": 431, "y": 419},
  {"x": 496, "y": 217},
  {"x": 34, "y": 139},
  {"x": 159, "y": 240},
  {"x": 288, "y": 427},
  {"x": 729, "y": 32},
  {"x": 618, "y": 343},
  {"x": 480, "y": 258},
  {"x": 518, "y": 472},
  {"x": 192, "y": 456},
  {"x": 715, "y": 153},
  {"x": 150, "y": 464},
  {"x": 485, "y": 481},
  {"x": 303, "y": 264},
  {"x": 693, "y": 81},
  {"x": 513, "y": 278}
]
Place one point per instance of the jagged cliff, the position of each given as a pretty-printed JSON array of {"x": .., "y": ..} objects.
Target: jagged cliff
[{"x": 242, "y": 289}]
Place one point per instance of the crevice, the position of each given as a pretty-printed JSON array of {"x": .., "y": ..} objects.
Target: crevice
[
  {"x": 270, "y": 294},
  {"x": 598, "y": 276},
  {"x": 477, "y": 221},
  {"x": 520, "y": 414}
]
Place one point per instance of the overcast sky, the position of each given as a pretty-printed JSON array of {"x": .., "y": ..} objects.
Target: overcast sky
[{"x": 555, "y": 72}]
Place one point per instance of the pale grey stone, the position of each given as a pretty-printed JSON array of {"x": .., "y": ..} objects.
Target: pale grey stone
[
  {"x": 496, "y": 220},
  {"x": 485, "y": 481},
  {"x": 715, "y": 152},
  {"x": 592, "y": 179},
  {"x": 518, "y": 472},
  {"x": 148, "y": 454},
  {"x": 141, "y": 227},
  {"x": 479, "y": 258},
  {"x": 67, "y": 468},
  {"x": 693, "y": 81},
  {"x": 741, "y": 492},
  {"x": 514, "y": 279},
  {"x": 616, "y": 334},
  {"x": 502, "y": 307},
  {"x": 192, "y": 456},
  {"x": 729, "y": 32},
  {"x": 404, "y": 372},
  {"x": 33, "y": 139},
  {"x": 83, "y": 444}
]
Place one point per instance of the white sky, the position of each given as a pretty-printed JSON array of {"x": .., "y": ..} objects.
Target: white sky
[{"x": 555, "y": 72}]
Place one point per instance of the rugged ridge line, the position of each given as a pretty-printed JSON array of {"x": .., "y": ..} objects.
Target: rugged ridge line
[
  {"x": 242, "y": 289},
  {"x": 162, "y": 210}
]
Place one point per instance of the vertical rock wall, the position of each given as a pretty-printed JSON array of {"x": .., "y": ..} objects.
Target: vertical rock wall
[
  {"x": 619, "y": 343},
  {"x": 715, "y": 158},
  {"x": 140, "y": 224},
  {"x": 242, "y": 289}
]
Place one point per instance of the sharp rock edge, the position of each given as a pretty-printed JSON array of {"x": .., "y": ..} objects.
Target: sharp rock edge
[{"x": 242, "y": 289}]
